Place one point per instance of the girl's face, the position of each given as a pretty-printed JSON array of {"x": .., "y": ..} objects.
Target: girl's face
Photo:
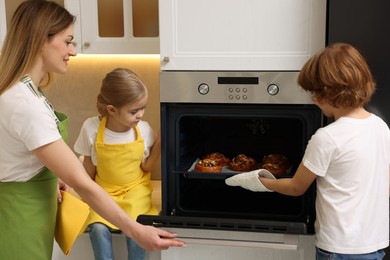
[
  {"x": 124, "y": 118},
  {"x": 57, "y": 50}
]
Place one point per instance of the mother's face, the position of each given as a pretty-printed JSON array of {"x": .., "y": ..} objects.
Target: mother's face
[{"x": 57, "y": 50}]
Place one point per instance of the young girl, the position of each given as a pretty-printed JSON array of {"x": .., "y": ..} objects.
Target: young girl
[
  {"x": 119, "y": 151},
  {"x": 349, "y": 159}
]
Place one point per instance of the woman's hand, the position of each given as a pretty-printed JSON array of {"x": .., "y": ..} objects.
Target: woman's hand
[
  {"x": 61, "y": 186},
  {"x": 151, "y": 238}
]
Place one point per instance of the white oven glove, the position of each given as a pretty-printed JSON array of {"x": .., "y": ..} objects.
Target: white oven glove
[{"x": 250, "y": 180}]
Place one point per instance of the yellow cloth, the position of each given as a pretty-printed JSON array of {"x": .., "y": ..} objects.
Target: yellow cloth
[
  {"x": 71, "y": 216},
  {"x": 119, "y": 173}
]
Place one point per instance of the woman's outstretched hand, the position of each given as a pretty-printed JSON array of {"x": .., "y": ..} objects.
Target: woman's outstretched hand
[{"x": 151, "y": 238}]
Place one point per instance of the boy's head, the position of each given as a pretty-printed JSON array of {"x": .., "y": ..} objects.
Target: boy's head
[{"x": 338, "y": 75}]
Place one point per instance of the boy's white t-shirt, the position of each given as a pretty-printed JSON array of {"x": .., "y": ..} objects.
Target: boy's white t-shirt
[
  {"x": 26, "y": 123},
  {"x": 351, "y": 158},
  {"x": 85, "y": 143}
]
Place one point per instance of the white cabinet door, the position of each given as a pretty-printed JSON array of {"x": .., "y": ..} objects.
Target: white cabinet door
[
  {"x": 112, "y": 30},
  {"x": 3, "y": 23},
  {"x": 240, "y": 35}
]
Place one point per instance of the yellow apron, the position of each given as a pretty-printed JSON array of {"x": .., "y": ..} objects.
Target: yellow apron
[
  {"x": 119, "y": 173},
  {"x": 28, "y": 213}
]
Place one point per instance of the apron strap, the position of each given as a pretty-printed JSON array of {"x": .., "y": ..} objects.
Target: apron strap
[{"x": 100, "y": 132}]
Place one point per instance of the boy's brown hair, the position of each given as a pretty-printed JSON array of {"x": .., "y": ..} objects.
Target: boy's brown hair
[{"x": 338, "y": 75}]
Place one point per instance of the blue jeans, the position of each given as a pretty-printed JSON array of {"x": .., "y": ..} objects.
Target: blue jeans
[
  {"x": 325, "y": 255},
  {"x": 101, "y": 240}
]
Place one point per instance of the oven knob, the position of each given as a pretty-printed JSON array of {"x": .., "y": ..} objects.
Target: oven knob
[
  {"x": 273, "y": 89},
  {"x": 203, "y": 89}
]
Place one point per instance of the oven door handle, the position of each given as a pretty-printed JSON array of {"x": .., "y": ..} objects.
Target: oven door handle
[{"x": 290, "y": 242}]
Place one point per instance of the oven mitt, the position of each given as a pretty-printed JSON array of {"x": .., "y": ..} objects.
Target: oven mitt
[{"x": 250, "y": 180}]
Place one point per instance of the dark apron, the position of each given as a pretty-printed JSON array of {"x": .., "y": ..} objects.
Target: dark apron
[{"x": 28, "y": 213}]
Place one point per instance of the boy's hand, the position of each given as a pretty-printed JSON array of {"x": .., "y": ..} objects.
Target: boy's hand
[{"x": 250, "y": 180}]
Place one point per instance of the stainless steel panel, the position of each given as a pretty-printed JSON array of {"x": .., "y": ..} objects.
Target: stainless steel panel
[{"x": 232, "y": 87}]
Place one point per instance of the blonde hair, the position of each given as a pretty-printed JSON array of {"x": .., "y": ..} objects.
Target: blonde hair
[
  {"x": 339, "y": 76},
  {"x": 33, "y": 23},
  {"x": 120, "y": 87}
]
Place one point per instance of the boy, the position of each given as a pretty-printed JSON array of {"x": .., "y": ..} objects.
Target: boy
[{"x": 349, "y": 159}]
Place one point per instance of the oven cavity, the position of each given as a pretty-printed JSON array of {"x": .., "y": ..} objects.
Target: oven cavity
[{"x": 193, "y": 130}]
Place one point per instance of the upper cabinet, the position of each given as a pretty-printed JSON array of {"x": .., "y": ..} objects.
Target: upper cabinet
[
  {"x": 115, "y": 26},
  {"x": 105, "y": 26},
  {"x": 250, "y": 35}
]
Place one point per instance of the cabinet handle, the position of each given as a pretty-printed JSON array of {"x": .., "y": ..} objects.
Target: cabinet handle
[
  {"x": 166, "y": 59},
  {"x": 86, "y": 44}
]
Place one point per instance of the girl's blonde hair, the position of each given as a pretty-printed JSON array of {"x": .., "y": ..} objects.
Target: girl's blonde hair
[
  {"x": 339, "y": 76},
  {"x": 120, "y": 87},
  {"x": 33, "y": 23}
]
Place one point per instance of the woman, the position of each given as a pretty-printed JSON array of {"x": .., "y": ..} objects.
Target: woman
[{"x": 32, "y": 152}]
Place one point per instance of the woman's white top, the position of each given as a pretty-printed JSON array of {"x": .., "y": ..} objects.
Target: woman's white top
[
  {"x": 25, "y": 124},
  {"x": 351, "y": 158},
  {"x": 85, "y": 143}
]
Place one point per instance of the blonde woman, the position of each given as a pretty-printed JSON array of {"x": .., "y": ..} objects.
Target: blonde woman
[{"x": 34, "y": 158}]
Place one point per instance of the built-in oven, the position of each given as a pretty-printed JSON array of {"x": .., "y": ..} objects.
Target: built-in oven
[{"x": 251, "y": 113}]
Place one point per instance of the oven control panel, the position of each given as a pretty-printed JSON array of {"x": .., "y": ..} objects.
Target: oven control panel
[
  {"x": 232, "y": 87},
  {"x": 238, "y": 93}
]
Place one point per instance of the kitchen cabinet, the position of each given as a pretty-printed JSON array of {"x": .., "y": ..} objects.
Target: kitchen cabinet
[
  {"x": 115, "y": 26},
  {"x": 3, "y": 27},
  {"x": 233, "y": 35},
  {"x": 209, "y": 245}
]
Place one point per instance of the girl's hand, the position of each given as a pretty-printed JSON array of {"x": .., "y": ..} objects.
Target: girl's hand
[{"x": 154, "y": 154}]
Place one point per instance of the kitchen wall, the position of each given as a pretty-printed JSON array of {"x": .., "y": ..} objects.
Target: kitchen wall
[{"x": 74, "y": 93}]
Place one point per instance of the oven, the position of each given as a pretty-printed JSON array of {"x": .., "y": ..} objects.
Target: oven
[{"x": 251, "y": 113}]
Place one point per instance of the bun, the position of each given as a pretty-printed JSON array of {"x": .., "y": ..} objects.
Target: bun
[
  {"x": 242, "y": 163},
  {"x": 218, "y": 157},
  {"x": 277, "y": 164},
  {"x": 208, "y": 165}
]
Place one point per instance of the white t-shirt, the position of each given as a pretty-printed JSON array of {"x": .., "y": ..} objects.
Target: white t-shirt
[
  {"x": 85, "y": 143},
  {"x": 26, "y": 123},
  {"x": 351, "y": 158}
]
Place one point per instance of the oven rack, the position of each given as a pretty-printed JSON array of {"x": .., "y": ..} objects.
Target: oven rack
[{"x": 215, "y": 175}]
